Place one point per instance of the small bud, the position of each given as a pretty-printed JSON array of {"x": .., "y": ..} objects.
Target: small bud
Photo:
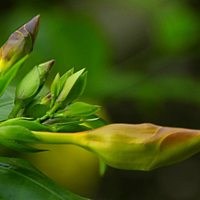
[
  {"x": 66, "y": 88},
  {"x": 58, "y": 84},
  {"x": 55, "y": 89},
  {"x": 80, "y": 109},
  {"x": 44, "y": 70},
  {"x": 19, "y": 44},
  {"x": 46, "y": 100},
  {"x": 30, "y": 86}
]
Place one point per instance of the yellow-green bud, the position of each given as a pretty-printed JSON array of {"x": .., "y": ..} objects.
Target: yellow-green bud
[{"x": 138, "y": 147}]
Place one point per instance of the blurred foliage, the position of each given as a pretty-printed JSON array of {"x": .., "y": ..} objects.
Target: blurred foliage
[{"x": 143, "y": 62}]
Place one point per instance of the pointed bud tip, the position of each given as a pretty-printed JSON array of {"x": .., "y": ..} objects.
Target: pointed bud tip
[
  {"x": 52, "y": 62},
  {"x": 48, "y": 65},
  {"x": 32, "y": 27}
]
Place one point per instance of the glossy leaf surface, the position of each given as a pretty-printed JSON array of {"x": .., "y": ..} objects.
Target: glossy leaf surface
[{"x": 20, "y": 180}]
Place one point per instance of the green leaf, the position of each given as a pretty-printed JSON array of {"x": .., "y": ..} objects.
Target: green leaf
[
  {"x": 29, "y": 85},
  {"x": 6, "y": 79},
  {"x": 25, "y": 182},
  {"x": 71, "y": 128},
  {"x": 19, "y": 146},
  {"x": 94, "y": 123},
  {"x": 6, "y": 103},
  {"x": 79, "y": 109},
  {"x": 78, "y": 89},
  {"x": 66, "y": 121},
  {"x": 31, "y": 125}
]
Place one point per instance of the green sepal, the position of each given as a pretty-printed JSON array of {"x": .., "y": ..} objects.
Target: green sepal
[
  {"x": 102, "y": 167},
  {"x": 80, "y": 109},
  {"x": 6, "y": 79},
  {"x": 29, "y": 85},
  {"x": 55, "y": 89},
  {"x": 77, "y": 89}
]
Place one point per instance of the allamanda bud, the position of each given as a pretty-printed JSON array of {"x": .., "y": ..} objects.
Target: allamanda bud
[
  {"x": 19, "y": 44},
  {"x": 30, "y": 86},
  {"x": 139, "y": 147}
]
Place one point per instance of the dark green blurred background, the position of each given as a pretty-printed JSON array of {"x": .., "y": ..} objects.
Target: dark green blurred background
[{"x": 143, "y": 61}]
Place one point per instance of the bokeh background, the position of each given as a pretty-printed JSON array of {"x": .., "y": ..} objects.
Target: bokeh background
[{"x": 143, "y": 58}]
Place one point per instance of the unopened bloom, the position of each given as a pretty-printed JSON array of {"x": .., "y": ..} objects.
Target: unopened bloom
[
  {"x": 133, "y": 146},
  {"x": 19, "y": 44},
  {"x": 30, "y": 86},
  {"x": 142, "y": 146}
]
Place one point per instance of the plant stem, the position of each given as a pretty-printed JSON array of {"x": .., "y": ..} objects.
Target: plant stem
[{"x": 17, "y": 107}]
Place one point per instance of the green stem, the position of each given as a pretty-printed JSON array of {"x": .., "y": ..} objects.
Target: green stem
[
  {"x": 42, "y": 119},
  {"x": 17, "y": 107},
  {"x": 49, "y": 114}
]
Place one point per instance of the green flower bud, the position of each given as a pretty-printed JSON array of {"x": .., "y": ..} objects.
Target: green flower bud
[
  {"x": 19, "y": 44},
  {"x": 79, "y": 109},
  {"x": 55, "y": 89},
  {"x": 46, "y": 100},
  {"x": 64, "y": 87},
  {"x": 44, "y": 70},
  {"x": 17, "y": 137},
  {"x": 30, "y": 86},
  {"x": 58, "y": 84}
]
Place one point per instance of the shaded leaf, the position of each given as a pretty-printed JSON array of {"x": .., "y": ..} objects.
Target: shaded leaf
[
  {"x": 31, "y": 125},
  {"x": 25, "y": 182},
  {"x": 19, "y": 146}
]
